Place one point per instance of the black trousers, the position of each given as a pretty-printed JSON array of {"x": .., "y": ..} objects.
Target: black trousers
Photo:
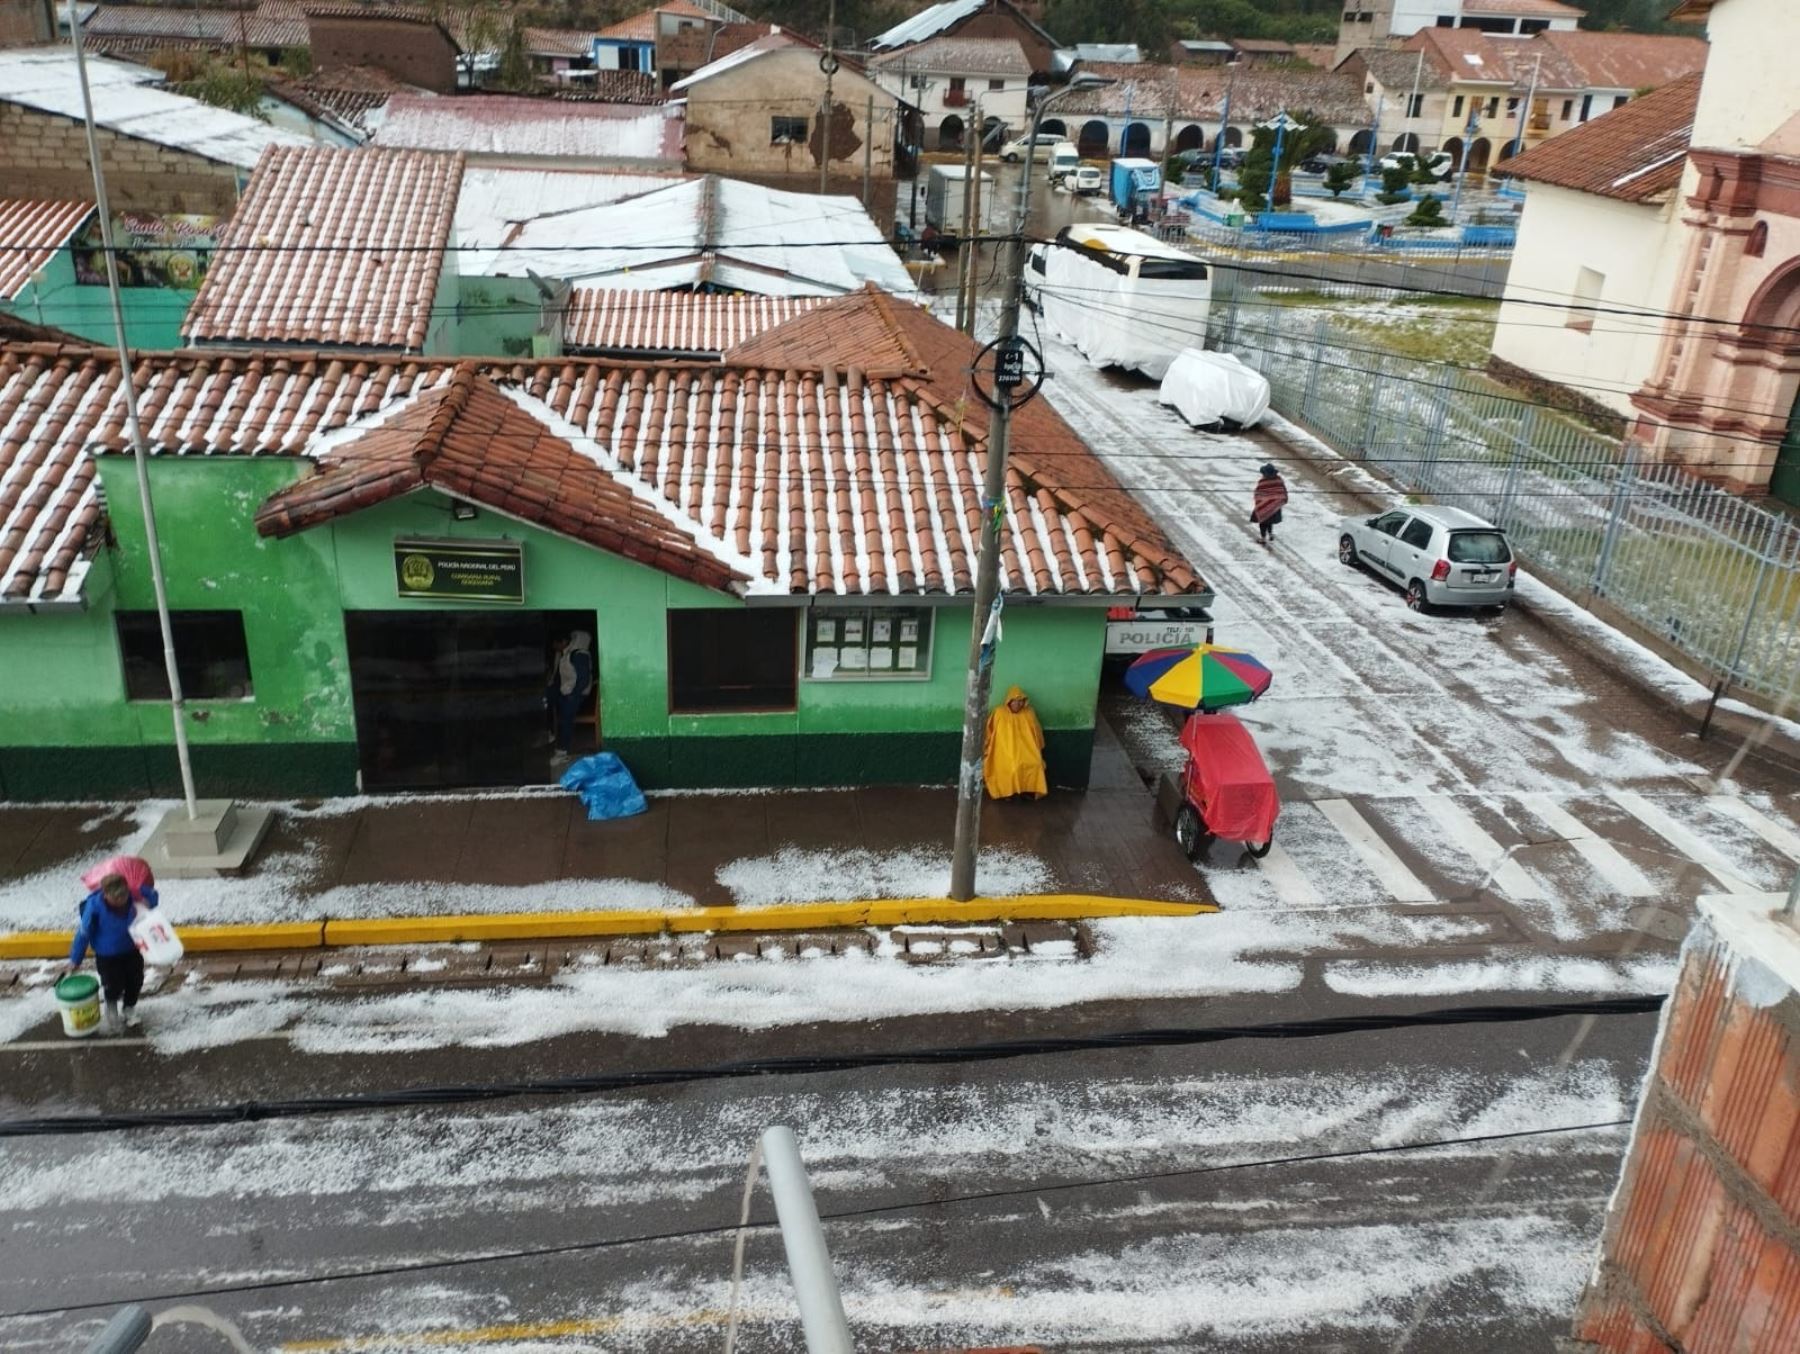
[{"x": 121, "y": 976}]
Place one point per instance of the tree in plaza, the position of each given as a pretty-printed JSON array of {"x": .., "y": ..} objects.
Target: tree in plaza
[
  {"x": 1429, "y": 212},
  {"x": 1339, "y": 177},
  {"x": 1275, "y": 181},
  {"x": 1394, "y": 185}
]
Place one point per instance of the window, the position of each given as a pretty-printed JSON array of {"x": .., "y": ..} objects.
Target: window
[
  {"x": 1388, "y": 524},
  {"x": 787, "y": 131},
  {"x": 1512, "y": 106},
  {"x": 1588, "y": 286},
  {"x": 1620, "y": 100},
  {"x": 1446, "y": 21},
  {"x": 1417, "y": 534},
  {"x": 996, "y": 84},
  {"x": 731, "y": 660},
  {"x": 864, "y": 643},
  {"x": 1456, "y": 108},
  {"x": 956, "y": 84},
  {"x": 1493, "y": 109},
  {"x": 1415, "y": 105},
  {"x": 210, "y": 656},
  {"x": 1478, "y": 547},
  {"x": 1568, "y": 109},
  {"x": 1587, "y": 106}
]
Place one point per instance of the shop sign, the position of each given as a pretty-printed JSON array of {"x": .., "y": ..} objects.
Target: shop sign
[
  {"x": 1142, "y": 634},
  {"x": 460, "y": 571},
  {"x": 154, "y": 250}
]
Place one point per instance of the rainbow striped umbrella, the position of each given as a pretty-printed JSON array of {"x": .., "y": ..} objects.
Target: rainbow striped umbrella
[{"x": 1204, "y": 677}]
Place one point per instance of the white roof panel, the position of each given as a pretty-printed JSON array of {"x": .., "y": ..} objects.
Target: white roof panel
[{"x": 925, "y": 23}]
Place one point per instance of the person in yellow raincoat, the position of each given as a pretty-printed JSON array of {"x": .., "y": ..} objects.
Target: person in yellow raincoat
[{"x": 1013, "y": 760}]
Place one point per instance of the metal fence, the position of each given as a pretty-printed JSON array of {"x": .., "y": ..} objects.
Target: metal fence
[{"x": 1716, "y": 576}]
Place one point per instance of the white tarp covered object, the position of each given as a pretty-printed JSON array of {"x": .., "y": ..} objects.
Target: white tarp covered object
[
  {"x": 1212, "y": 388},
  {"x": 1123, "y": 298}
]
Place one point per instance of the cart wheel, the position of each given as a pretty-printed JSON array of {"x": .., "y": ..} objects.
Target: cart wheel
[
  {"x": 1189, "y": 835},
  {"x": 1258, "y": 852}
]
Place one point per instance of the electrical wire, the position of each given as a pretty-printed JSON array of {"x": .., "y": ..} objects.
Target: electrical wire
[{"x": 1033, "y": 1191}]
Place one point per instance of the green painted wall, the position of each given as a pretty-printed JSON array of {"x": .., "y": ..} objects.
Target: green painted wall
[
  {"x": 495, "y": 316},
  {"x": 75, "y": 733},
  {"x": 153, "y": 315}
]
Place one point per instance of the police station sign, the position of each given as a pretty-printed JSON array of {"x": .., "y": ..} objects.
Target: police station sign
[
  {"x": 1148, "y": 630},
  {"x": 460, "y": 571}
]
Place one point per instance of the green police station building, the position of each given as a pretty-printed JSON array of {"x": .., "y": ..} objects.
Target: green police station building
[{"x": 369, "y": 559}]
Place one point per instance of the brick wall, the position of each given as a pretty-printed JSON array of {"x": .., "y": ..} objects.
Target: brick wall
[
  {"x": 23, "y": 22},
  {"x": 418, "y": 53},
  {"x": 1702, "y": 1246},
  {"x": 43, "y": 155}
]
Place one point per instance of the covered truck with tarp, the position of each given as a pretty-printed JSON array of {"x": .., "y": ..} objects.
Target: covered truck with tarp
[
  {"x": 1123, "y": 298},
  {"x": 1227, "y": 793},
  {"x": 1212, "y": 390}
]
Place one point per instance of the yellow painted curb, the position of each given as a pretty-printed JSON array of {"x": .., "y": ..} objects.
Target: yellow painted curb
[{"x": 580, "y": 925}]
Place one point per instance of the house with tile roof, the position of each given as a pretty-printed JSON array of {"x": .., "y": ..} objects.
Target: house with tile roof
[
  {"x": 756, "y": 115},
  {"x": 947, "y": 78},
  {"x": 1387, "y": 23},
  {"x": 1186, "y": 104},
  {"x": 976, "y": 19},
  {"x": 370, "y": 556},
  {"x": 674, "y": 39},
  {"x": 163, "y": 152},
  {"x": 1600, "y": 201}
]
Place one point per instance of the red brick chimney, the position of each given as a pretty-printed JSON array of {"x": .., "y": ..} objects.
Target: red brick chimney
[{"x": 1701, "y": 1251}]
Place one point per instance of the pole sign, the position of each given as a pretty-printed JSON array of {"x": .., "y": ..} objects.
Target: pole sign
[
  {"x": 1009, "y": 365},
  {"x": 460, "y": 571}
]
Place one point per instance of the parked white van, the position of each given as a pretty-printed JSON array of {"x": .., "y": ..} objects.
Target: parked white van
[{"x": 1064, "y": 160}]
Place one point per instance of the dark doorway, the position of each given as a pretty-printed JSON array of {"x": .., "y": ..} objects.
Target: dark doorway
[
  {"x": 455, "y": 698},
  {"x": 1136, "y": 140},
  {"x": 1094, "y": 138},
  {"x": 1190, "y": 137}
]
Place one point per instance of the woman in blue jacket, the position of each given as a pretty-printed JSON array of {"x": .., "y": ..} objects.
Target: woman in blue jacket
[{"x": 105, "y": 926}]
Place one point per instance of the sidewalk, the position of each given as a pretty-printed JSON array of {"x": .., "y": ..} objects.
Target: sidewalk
[{"x": 534, "y": 851}]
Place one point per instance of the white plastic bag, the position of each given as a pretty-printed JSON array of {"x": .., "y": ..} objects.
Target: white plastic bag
[{"x": 155, "y": 938}]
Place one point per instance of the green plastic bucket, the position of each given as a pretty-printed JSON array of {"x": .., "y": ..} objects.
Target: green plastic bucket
[{"x": 78, "y": 998}]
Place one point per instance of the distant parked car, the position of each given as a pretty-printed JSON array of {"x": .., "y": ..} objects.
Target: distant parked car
[
  {"x": 1439, "y": 556},
  {"x": 1014, "y": 151},
  {"x": 1438, "y": 162},
  {"x": 1086, "y": 180},
  {"x": 1320, "y": 163},
  {"x": 1232, "y": 157}
]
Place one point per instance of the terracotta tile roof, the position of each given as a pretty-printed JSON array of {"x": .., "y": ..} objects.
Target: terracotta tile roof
[
  {"x": 1627, "y": 60},
  {"x": 559, "y": 41},
  {"x": 959, "y": 56},
  {"x": 1320, "y": 54},
  {"x": 31, "y": 232},
  {"x": 596, "y": 86},
  {"x": 671, "y": 323},
  {"x": 1396, "y": 70},
  {"x": 467, "y": 438},
  {"x": 347, "y": 92},
  {"x": 800, "y": 481},
  {"x": 1634, "y": 154},
  {"x": 273, "y": 23},
  {"x": 1198, "y": 93},
  {"x": 881, "y": 333},
  {"x": 642, "y": 27},
  {"x": 549, "y": 129},
  {"x": 331, "y": 246}
]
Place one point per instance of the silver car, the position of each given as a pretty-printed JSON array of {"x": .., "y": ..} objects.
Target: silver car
[{"x": 1440, "y": 556}]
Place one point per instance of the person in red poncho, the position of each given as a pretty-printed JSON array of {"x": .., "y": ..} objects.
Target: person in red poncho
[
  {"x": 1013, "y": 760},
  {"x": 1265, "y": 507}
]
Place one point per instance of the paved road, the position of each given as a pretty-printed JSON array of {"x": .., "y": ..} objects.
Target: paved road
[{"x": 968, "y": 1219}]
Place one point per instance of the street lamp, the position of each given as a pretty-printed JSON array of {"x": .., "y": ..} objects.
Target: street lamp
[
  {"x": 1282, "y": 124},
  {"x": 993, "y": 498},
  {"x": 1462, "y": 163}
]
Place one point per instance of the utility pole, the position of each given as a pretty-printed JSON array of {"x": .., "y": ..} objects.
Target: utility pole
[
  {"x": 1412, "y": 104},
  {"x": 1525, "y": 108},
  {"x": 868, "y": 148},
  {"x": 993, "y": 517},
  {"x": 829, "y": 64},
  {"x": 140, "y": 447},
  {"x": 1224, "y": 126},
  {"x": 962, "y": 257},
  {"x": 972, "y": 245}
]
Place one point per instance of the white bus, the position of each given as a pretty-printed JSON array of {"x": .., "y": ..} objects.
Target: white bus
[{"x": 1124, "y": 298}]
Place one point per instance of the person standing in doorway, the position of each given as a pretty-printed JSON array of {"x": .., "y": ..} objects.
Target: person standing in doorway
[
  {"x": 1265, "y": 508},
  {"x": 570, "y": 684},
  {"x": 105, "y": 927}
]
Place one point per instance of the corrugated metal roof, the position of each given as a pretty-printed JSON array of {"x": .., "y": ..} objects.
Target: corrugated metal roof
[
  {"x": 495, "y": 202},
  {"x": 127, "y": 100},
  {"x": 720, "y": 231},
  {"x": 671, "y": 323},
  {"x": 820, "y": 481},
  {"x": 331, "y": 246},
  {"x": 1634, "y": 154},
  {"x": 768, "y": 42},
  {"x": 926, "y": 23},
  {"x": 547, "y": 129},
  {"x": 31, "y": 232},
  {"x": 959, "y": 56}
]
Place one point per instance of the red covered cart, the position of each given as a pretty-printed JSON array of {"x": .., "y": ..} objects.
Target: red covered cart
[{"x": 1226, "y": 790}]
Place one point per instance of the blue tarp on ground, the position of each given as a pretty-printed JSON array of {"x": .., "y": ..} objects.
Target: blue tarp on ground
[{"x": 605, "y": 786}]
